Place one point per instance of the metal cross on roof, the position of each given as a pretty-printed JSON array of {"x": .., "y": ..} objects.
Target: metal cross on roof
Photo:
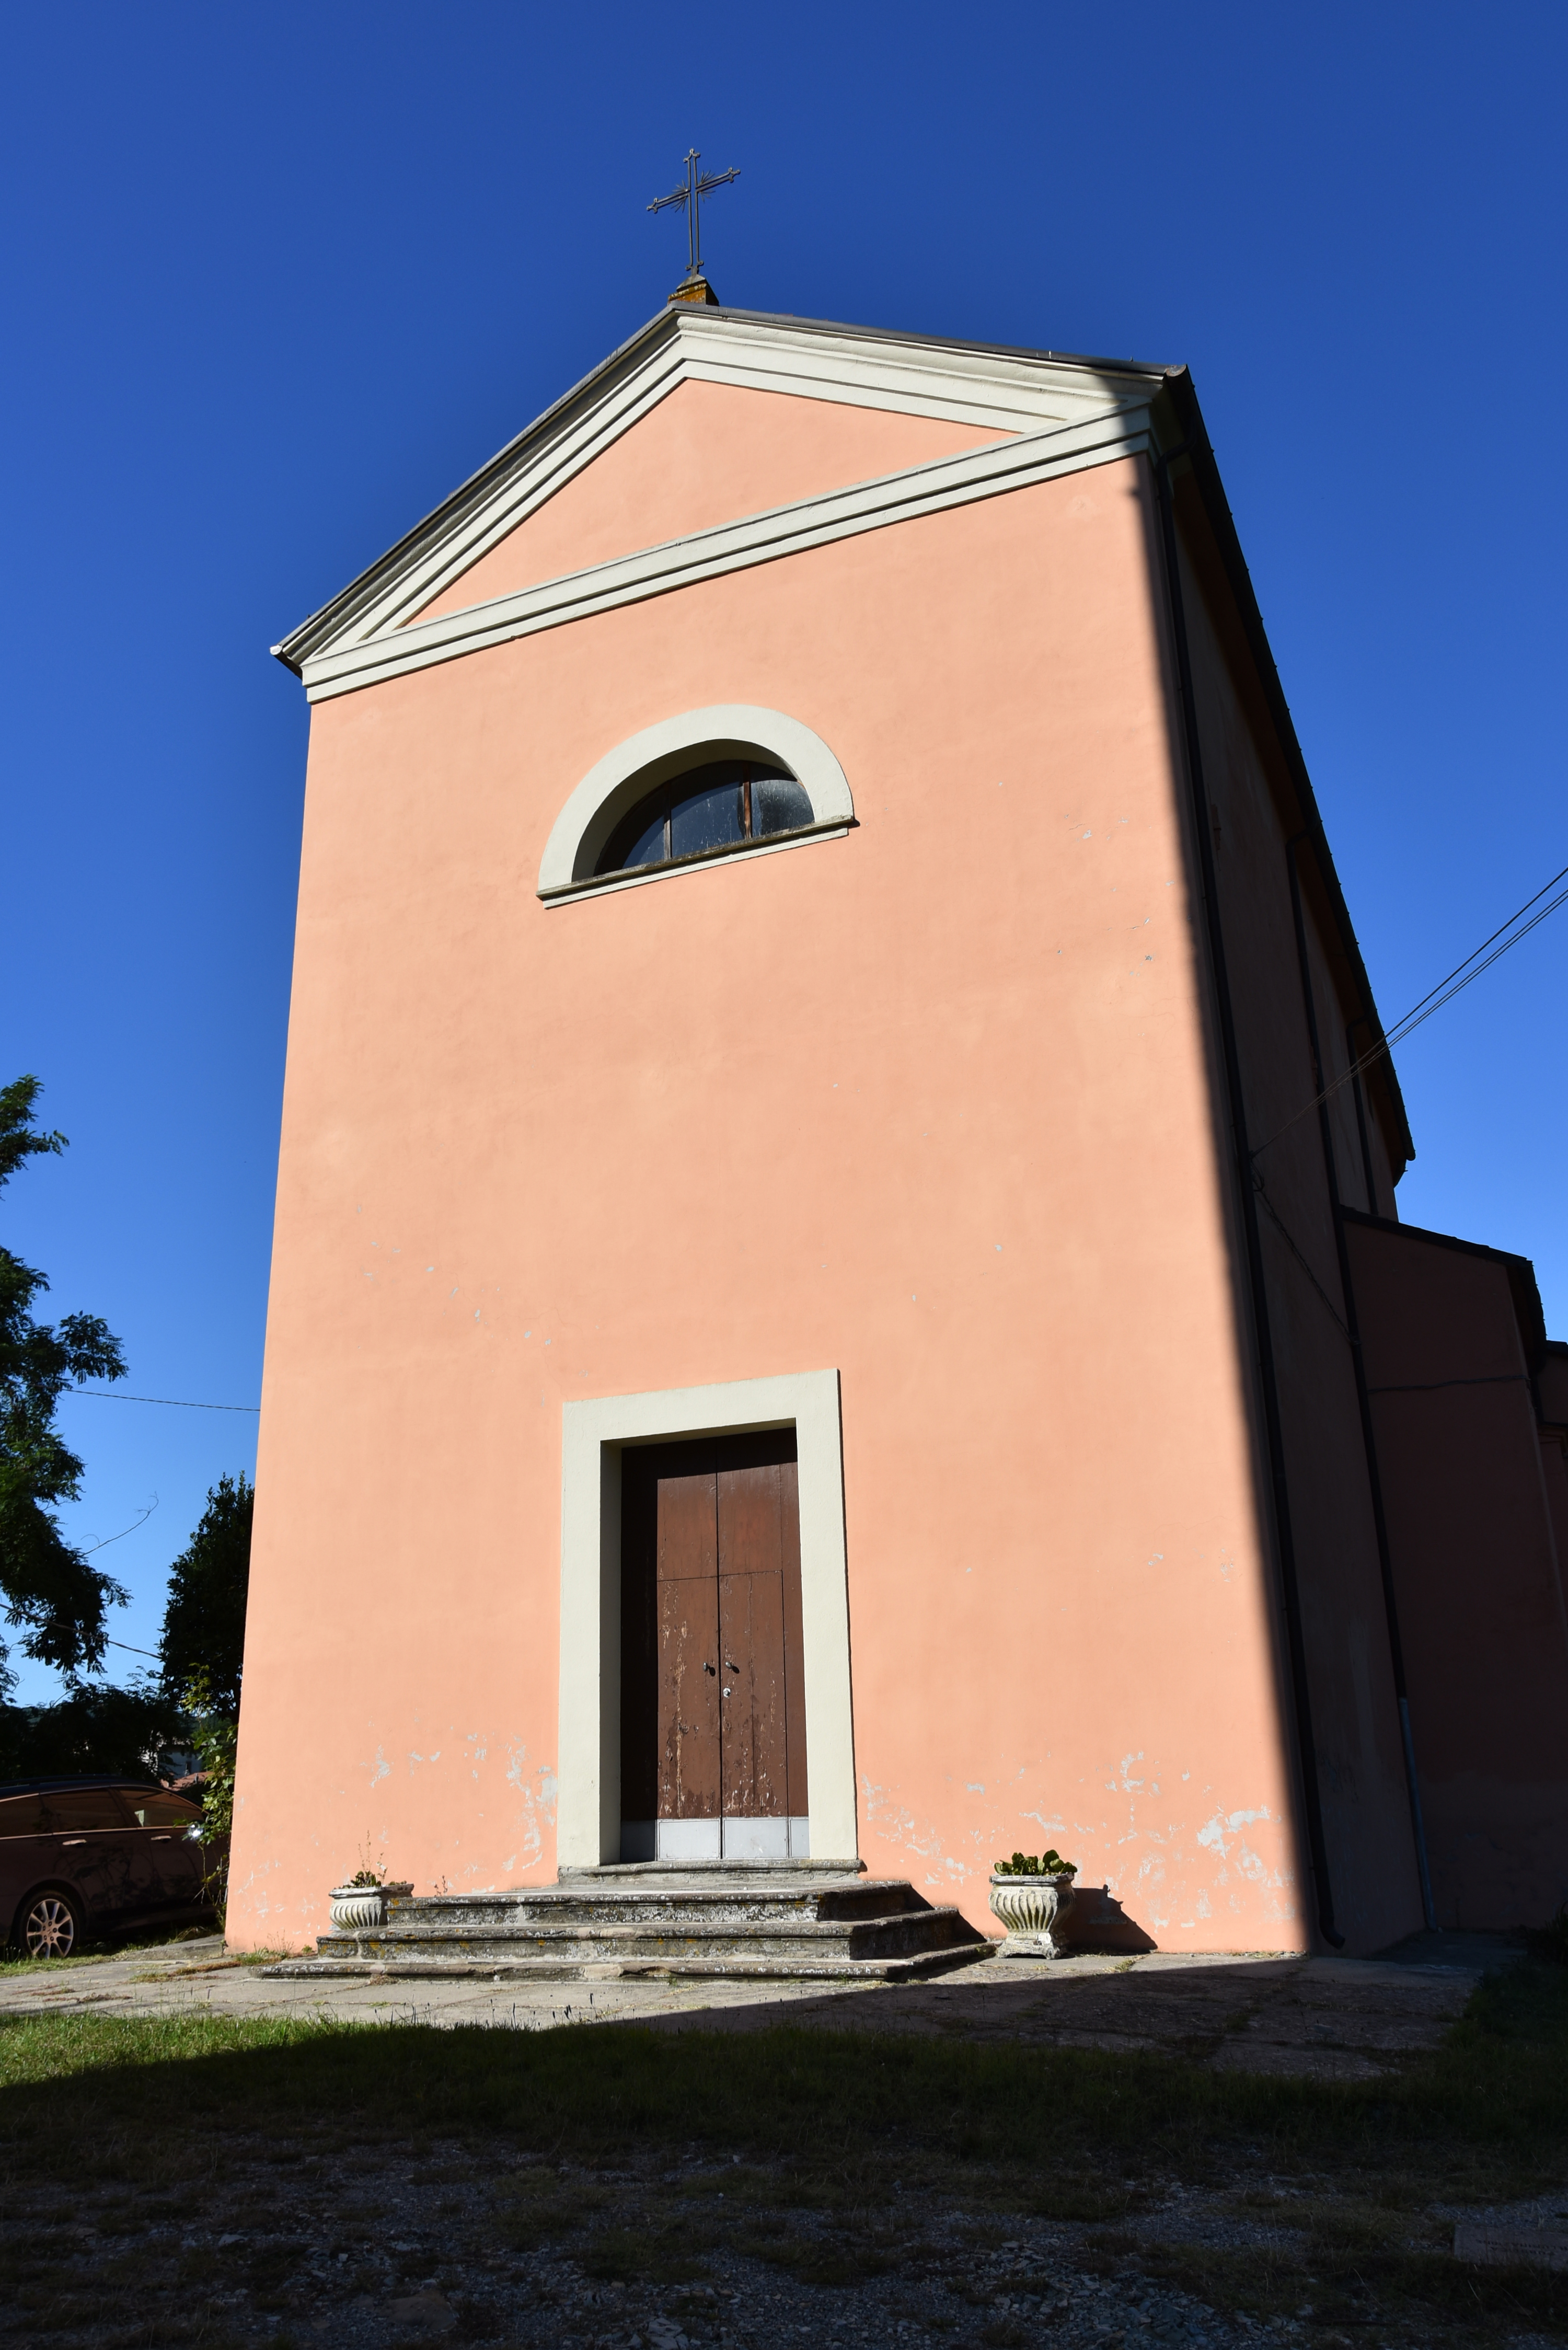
[{"x": 692, "y": 195}]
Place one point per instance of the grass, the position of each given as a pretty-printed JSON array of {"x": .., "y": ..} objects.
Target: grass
[{"x": 832, "y": 2157}]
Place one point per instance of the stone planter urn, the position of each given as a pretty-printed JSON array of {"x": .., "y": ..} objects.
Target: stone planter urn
[
  {"x": 1029, "y": 1907},
  {"x": 362, "y": 1908}
]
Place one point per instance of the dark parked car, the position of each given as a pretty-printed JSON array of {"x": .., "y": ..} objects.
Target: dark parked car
[{"x": 95, "y": 1856}]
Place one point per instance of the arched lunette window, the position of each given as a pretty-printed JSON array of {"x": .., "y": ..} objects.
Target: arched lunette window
[
  {"x": 723, "y": 804},
  {"x": 730, "y": 780}
]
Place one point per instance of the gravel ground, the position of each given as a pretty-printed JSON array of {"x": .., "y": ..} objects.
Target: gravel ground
[
  {"x": 403, "y": 2242},
  {"x": 307, "y": 2274}
]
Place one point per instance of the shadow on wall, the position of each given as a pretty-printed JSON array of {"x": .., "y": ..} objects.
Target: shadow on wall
[{"x": 1097, "y": 1922}]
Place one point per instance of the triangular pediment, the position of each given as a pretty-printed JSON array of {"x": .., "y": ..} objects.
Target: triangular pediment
[
  {"x": 708, "y": 453},
  {"x": 706, "y": 423}
]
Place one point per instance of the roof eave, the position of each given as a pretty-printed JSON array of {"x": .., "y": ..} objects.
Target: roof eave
[{"x": 297, "y": 648}]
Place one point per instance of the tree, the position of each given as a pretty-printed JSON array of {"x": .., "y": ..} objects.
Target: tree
[
  {"x": 48, "y": 1589},
  {"x": 216, "y": 1734},
  {"x": 201, "y": 1653},
  {"x": 203, "y": 1633},
  {"x": 94, "y": 1728}
]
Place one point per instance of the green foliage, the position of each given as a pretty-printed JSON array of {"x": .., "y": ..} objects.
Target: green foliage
[
  {"x": 47, "y": 1587},
  {"x": 204, "y": 1622},
  {"x": 214, "y": 1735},
  {"x": 93, "y": 1728},
  {"x": 1049, "y": 1863}
]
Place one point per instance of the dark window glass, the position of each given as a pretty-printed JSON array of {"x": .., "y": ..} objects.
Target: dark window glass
[
  {"x": 718, "y": 806},
  {"x": 21, "y": 1815},
  {"x": 708, "y": 818},
  {"x": 161, "y": 1811},
  {"x": 648, "y": 847},
  {"x": 72, "y": 1812},
  {"x": 778, "y": 804}
]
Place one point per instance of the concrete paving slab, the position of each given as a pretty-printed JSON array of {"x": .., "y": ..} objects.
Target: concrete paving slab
[
  {"x": 1475, "y": 1948},
  {"x": 1322, "y": 2017}
]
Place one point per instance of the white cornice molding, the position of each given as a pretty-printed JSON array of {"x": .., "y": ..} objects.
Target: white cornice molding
[
  {"x": 1002, "y": 391},
  {"x": 997, "y": 389},
  {"x": 945, "y": 481}
]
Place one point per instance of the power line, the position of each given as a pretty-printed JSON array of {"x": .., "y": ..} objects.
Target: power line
[
  {"x": 112, "y": 1395},
  {"x": 1414, "y": 1018},
  {"x": 1435, "y": 998}
]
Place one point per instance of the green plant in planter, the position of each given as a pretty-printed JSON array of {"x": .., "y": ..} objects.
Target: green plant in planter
[
  {"x": 370, "y": 1873},
  {"x": 1024, "y": 1863}
]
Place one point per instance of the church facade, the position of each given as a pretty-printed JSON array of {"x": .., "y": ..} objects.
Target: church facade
[{"x": 817, "y": 1309}]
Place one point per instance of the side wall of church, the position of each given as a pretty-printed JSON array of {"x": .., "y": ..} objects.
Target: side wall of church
[
  {"x": 1552, "y": 1391},
  {"x": 1481, "y": 1614},
  {"x": 930, "y": 1104},
  {"x": 1253, "y": 818}
]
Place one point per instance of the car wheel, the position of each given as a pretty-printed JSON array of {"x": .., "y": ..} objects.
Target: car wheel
[{"x": 51, "y": 1926}]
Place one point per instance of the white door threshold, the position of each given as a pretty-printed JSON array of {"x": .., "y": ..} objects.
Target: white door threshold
[{"x": 742, "y": 1839}]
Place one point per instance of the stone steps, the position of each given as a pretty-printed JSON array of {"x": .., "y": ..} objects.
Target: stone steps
[
  {"x": 651, "y": 1970},
  {"x": 780, "y": 1922},
  {"x": 890, "y": 1938},
  {"x": 687, "y": 1910}
]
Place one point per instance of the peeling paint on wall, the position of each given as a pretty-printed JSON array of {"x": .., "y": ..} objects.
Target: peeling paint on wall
[
  {"x": 1214, "y": 1831},
  {"x": 537, "y": 1793}
]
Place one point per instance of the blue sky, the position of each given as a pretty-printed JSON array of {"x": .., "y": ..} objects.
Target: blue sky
[{"x": 275, "y": 279}]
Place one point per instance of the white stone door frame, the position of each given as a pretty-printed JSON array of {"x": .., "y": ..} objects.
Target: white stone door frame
[{"x": 587, "y": 1825}]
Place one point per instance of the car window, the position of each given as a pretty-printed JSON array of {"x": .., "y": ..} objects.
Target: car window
[
  {"x": 71, "y": 1811},
  {"x": 20, "y": 1815},
  {"x": 159, "y": 1811}
]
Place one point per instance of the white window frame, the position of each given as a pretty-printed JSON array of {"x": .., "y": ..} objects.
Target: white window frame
[
  {"x": 594, "y": 1431},
  {"x": 725, "y": 730}
]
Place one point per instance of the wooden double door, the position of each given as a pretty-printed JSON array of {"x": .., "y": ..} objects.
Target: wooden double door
[{"x": 712, "y": 1701}]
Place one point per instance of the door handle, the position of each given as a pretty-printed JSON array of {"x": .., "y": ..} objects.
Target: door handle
[
  {"x": 69, "y": 1841},
  {"x": 163, "y": 1839}
]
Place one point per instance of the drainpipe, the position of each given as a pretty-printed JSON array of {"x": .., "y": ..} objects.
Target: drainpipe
[
  {"x": 1284, "y": 1534},
  {"x": 1363, "y": 1401}
]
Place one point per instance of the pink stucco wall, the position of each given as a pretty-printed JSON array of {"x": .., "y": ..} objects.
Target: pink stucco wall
[
  {"x": 931, "y": 1104},
  {"x": 706, "y": 454}
]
